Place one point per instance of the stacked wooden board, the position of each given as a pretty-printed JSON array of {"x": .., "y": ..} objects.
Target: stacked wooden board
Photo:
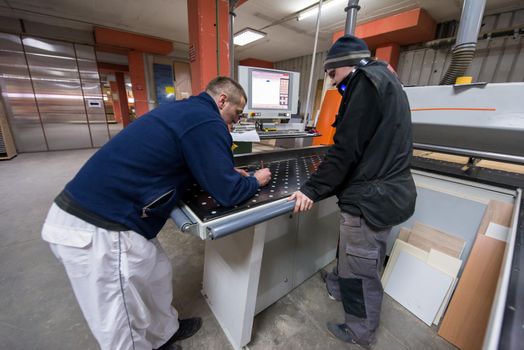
[{"x": 423, "y": 270}]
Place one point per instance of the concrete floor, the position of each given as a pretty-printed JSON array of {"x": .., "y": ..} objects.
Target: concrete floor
[{"x": 38, "y": 309}]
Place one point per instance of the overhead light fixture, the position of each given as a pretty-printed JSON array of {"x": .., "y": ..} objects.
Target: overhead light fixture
[
  {"x": 247, "y": 35},
  {"x": 312, "y": 11}
]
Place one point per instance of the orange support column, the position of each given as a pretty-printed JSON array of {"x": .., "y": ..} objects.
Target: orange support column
[
  {"x": 116, "y": 102},
  {"x": 389, "y": 53},
  {"x": 122, "y": 99},
  {"x": 138, "y": 82},
  {"x": 203, "y": 55}
]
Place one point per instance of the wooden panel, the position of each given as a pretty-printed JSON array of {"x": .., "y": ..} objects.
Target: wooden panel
[
  {"x": 465, "y": 321},
  {"x": 426, "y": 237},
  {"x": 497, "y": 212},
  {"x": 417, "y": 286},
  {"x": 444, "y": 262},
  {"x": 512, "y": 168},
  {"x": 450, "y": 266},
  {"x": 404, "y": 234},
  {"x": 401, "y": 246}
]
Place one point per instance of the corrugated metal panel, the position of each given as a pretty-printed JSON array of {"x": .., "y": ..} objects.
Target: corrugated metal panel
[
  {"x": 18, "y": 92},
  {"x": 92, "y": 93},
  {"x": 54, "y": 93},
  {"x": 497, "y": 60},
  {"x": 58, "y": 93},
  {"x": 303, "y": 66},
  {"x": 7, "y": 146}
]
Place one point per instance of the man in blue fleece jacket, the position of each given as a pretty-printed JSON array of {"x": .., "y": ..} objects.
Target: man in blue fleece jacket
[{"x": 103, "y": 225}]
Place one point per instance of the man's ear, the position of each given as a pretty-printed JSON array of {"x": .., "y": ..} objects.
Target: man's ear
[{"x": 222, "y": 99}]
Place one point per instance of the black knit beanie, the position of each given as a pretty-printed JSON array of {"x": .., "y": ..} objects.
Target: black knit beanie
[{"x": 346, "y": 51}]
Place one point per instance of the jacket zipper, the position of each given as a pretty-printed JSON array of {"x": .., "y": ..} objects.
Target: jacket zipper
[{"x": 144, "y": 209}]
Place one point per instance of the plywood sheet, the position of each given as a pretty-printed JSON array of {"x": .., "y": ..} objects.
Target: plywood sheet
[
  {"x": 466, "y": 319},
  {"x": 404, "y": 234},
  {"x": 497, "y": 212},
  {"x": 450, "y": 266},
  {"x": 445, "y": 302},
  {"x": 426, "y": 237},
  {"x": 417, "y": 286},
  {"x": 497, "y": 231},
  {"x": 441, "y": 156},
  {"x": 397, "y": 248},
  {"x": 444, "y": 262},
  {"x": 512, "y": 168}
]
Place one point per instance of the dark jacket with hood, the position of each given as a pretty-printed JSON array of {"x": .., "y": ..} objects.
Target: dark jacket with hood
[{"x": 368, "y": 167}]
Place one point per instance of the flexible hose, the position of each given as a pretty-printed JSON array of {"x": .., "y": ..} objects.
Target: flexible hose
[{"x": 461, "y": 57}]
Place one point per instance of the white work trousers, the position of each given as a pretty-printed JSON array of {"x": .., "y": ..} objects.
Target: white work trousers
[{"x": 121, "y": 280}]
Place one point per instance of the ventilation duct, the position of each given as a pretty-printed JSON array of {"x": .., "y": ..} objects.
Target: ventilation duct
[{"x": 464, "y": 50}]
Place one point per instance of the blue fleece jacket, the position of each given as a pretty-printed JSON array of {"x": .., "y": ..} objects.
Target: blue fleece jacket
[{"x": 139, "y": 175}]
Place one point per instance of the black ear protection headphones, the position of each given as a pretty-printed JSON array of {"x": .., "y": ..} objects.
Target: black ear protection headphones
[{"x": 341, "y": 87}]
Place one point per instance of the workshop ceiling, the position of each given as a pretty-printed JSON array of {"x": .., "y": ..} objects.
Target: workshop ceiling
[{"x": 286, "y": 37}]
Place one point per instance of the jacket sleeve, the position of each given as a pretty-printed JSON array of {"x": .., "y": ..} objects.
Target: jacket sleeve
[
  {"x": 354, "y": 131},
  {"x": 207, "y": 151}
]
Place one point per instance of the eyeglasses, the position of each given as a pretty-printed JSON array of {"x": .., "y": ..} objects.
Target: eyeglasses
[
  {"x": 331, "y": 73},
  {"x": 239, "y": 114}
]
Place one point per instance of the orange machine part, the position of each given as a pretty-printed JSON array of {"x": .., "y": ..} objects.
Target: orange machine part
[
  {"x": 327, "y": 115},
  {"x": 408, "y": 27}
]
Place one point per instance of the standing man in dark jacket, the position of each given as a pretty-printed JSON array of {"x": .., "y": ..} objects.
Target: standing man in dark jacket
[
  {"x": 368, "y": 169},
  {"x": 103, "y": 225}
]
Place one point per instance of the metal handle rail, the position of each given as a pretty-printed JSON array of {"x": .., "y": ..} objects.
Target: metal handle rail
[
  {"x": 180, "y": 218},
  {"x": 228, "y": 227}
]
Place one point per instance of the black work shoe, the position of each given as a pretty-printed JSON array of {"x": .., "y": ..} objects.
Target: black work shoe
[
  {"x": 186, "y": 329},
  {"x": 342, "y": 332}
]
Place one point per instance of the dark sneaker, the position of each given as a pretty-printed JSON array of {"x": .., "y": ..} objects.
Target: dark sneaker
[
  {"x": 330, "y": 296},
  {"x": 186, "y": 329},
  {"x": 323, "y": 275},
  {"x": 342, "y": 332}
]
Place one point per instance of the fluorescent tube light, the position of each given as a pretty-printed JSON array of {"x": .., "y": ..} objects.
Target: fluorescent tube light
[
  {"x": 326, "y": 5},
  {"x": 247, "y": 35}
]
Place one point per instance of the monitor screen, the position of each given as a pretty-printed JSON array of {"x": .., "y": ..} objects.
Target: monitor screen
[
  {"x": 269, "y": 90},
  {"x": 271, "y": 93}
]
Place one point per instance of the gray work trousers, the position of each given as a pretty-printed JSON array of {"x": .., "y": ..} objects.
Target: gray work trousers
[{"x": 356, "y": 279}]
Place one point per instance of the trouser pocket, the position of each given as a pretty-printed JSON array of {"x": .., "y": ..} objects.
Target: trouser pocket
[
  {"x": 361, "y": 262},
  {"x": 359, "y": 266}
]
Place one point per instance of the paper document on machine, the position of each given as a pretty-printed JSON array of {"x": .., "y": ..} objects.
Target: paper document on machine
[{"x": 245, "y": 136}]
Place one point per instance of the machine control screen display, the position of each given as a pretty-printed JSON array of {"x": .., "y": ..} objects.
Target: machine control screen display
[{"x": 269, "y": 90}]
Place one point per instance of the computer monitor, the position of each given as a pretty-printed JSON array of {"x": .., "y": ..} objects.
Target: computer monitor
[{"x": 271, "y": 93}]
